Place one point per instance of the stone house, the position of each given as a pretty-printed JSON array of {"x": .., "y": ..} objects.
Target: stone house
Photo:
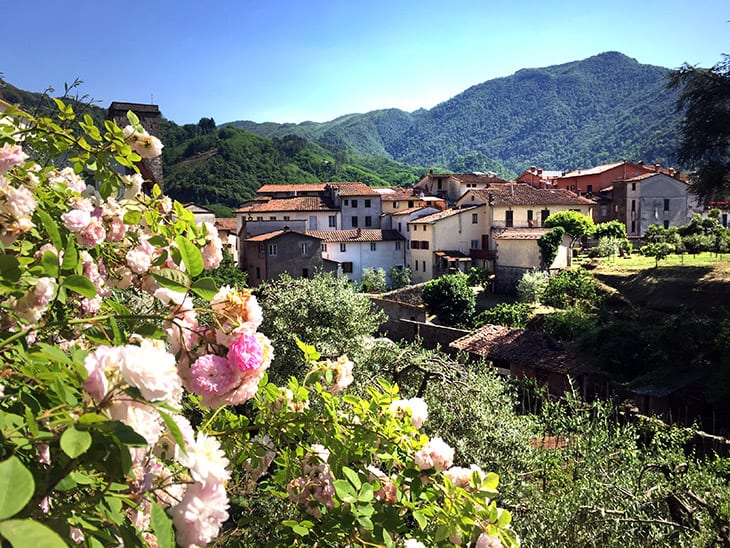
[
  {"x": 315, "y": 212},
  {"x": 266, "y": 256}
]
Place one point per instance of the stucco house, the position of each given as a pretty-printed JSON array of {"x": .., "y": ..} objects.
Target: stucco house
[
  {"x": 314, "y": 211},
  {"x": 539, "y": 178},
  {"x": 357, "y": 249},
  {"x": 270, "y": 254},
  {"x": 359, "y": 205},
  {"x": 451, "y": 186},
  {"x": 652, "y": 199},
  {"x": 595, "y": 179},
  {"x": 397, "y": 199},
  {"x": 441, "y": 242}
]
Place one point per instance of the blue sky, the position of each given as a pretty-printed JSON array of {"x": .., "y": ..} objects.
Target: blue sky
[{"x": 289, "y": 61}]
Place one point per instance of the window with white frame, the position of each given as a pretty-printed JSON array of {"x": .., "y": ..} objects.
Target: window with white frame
[
  {"x": 333, "y": 221},
  {"x": 304, "y": 247},
  {"x": 273, "y": 250}
]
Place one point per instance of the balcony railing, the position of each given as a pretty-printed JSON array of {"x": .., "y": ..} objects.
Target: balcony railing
[{"x": 489, "y": 254}]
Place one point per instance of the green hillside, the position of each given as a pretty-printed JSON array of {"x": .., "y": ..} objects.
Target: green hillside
[{"x": 579, "y": 114}]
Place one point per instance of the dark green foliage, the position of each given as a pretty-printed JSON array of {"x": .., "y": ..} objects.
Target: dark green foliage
[
  {"x": 478, "y": 276},
  {"x": 572, "y": 287},
  {"x": 228, "y": 273},
  {"x": 574, "y": 223},
  {"x": 325, "y": 311},
  {"x": 573, "y": 115},
  {"x": 705, "y": 144},
  {"x": 400, "y": 276},
  {"x": 373, "y": 281},
  {"x": 451, "y": 299},
  {"x": 549, "y": 244},
  {"x": 569, "y": 324},
  {"x": 507, "y": 314},
  {"x": 661, "y": 250},
  {"x": 613, "y": 229}
]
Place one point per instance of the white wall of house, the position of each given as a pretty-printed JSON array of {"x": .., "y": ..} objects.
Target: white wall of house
[
  {"x": 357, "y": 211},
  {"x": 362, "y": 255},
  {"x": 662, "y": 200},
  {"x": 313, "y": 220},
  {"x": 525, "y": 253}
]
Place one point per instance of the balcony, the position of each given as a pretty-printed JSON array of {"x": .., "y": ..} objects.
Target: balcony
[{"x": 488, "y": 254}]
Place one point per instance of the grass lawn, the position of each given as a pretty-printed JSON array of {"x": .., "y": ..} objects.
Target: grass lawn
[{"x": 638, "y": 262}]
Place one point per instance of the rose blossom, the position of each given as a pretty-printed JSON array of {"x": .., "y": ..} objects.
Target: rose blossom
[
  {"x": 415, "y": 407},
  {"x": 76, "y": 219},
  {"x": 144, "y": 144},
  {"x": 461, "y": 477},
  {"x": 343, "y": 368},
  {"x": 246, "y": 352},
  {"x": 211, "y": 376},
  {"x": 205, "y": 459},
  {"x": 93, "y": 233},
  {"x": 11, "y": 156},
  {"x": 488, "y": 541},
  {"x": 151, "y": 369},
  {"x": 435, "y": 454},
  {"x": 413, "y": 543},
  {"x": 200, "y": 514}
]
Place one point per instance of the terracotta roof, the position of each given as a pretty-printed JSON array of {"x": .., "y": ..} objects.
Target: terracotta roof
[
  {"x": 591, "y": 171},
  {"x": 301, "y": 203},
  {"x": 226, "y": 223},
  {"x": 353, "y": 189},
  {"x": 645, "y": 176},
  {"x": 519, "y": 347},
  {"x": 399, "y": 195},
  {"x": 407, "y": 211},
  {"x": 523, "y": 194},
  {"x": 443, "y": 214},
  {"x": 522, "y": 233},
  {"x": 363, "y": 235},
  {"x": 299, "y": 187},
  {"x": 275, "y": 234}
]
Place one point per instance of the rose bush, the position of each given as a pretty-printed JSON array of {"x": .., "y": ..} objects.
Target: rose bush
[{"x": 122, "y": 416}]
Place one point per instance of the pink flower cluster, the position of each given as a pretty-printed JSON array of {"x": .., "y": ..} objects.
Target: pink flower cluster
[
  {"x": 343, "y": 374},
  {"x": 316, "y": 486},
  {"x": 213, "y": 248},
  {"x": 415, "y": 408},
  {"x": 17, "y": 206},
  {"x": 31, "y": 307},
  {"x": 11, "y": 156},
  {"x": 434, "y": 454},
  {"x": 461, "y": 477}
]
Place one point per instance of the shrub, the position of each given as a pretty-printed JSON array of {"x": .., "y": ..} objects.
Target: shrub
[
  {"x": 373, "y": 280},
  {"x": 400, "y": 276},
  {"x": 659, "y": 251},
  {"x": 532, "y": 285},
  {"x": 451, "y": 299},
  {"x": 549, "y": 244},
  {"x": 478, "y": 277},
  {"x": 570, "y": 324},
  {"x": 507, "y": 314},
  {"x": 573, "y": 287},
  {"x": 613, "y": 229}
]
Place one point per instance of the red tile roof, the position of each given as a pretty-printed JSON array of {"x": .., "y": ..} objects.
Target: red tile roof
[
  {"x": 519, "y": 347},
  {"x": 364, "y": 235},
  {"x": 299, "y": 187},
  {"x": 275, "y": 234},
  {"x": 523, "y": 194},
  {"x": 399, "y": 195},
  {"x": 442, "y": 215},
  {"x": 353, "y": 189},
  {"x": 226, "y": 223},
  {"x": 301, "y": 203}
]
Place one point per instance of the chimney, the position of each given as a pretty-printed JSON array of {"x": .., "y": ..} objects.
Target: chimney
[
  {"x": 656, "y": 167},
  {"x": 359, "y": 232}
]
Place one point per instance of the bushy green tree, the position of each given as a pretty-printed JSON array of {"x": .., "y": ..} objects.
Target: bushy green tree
[
  {"x": 572, "y": 287},
  {"x": 661, "y": 251},
  {"x": 615, "y": 229},
  {"x": 574, "y": 223},
  {"x": 549, "y": 243},
  {"x": 400, "y": 276},
  {"x": 507, "y": 314},
  {"x": 532, "y": 285},
  {"x": 325, "y": 311},
  {"x": 451, "y": 299},
  {"x": 373, "y": 280}
]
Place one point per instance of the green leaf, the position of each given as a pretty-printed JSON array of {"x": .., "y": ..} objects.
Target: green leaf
[
  {"x": 174, "y": 429},
  {"x": 80, "y": 284},
  {"x": 16, "y": 487},
  {"x": 344, "y": 491},
  {"x": 205, "y": 288},
  {"x": 50, "y": 264},
  {"x": 351, "y": 475},
  {"x": 132, "y": 217},
  {"x": 162, "y": 527},
  {"x": 366, "y": 493},
  {"x": 27, "y": 532},
  {"x": 50, "y": 226},
  {"x": 132, "y": 117},
  {"x": 191, "y": 256},
  {"x": 75, "y": 442},
  {"x": 9, "y": 268},
  {"x": 421, "y": 519},
  {"x": 177, "y": 280},
  {"x": 70, "y": 256},
  {"x": 128, "y": 436}
]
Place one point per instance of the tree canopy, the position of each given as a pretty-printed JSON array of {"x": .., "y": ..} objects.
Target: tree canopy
[
  {"x": 573, "y": 222},
  {"x": 705, "y": 142}
]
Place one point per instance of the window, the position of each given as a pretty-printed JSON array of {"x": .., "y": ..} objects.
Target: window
[
  {"x": 589, "y": 188},
  {"x": 530, "y": 217},
  {"x": 423, "y": 264},
  {"x": 354, "y": 221},
  {"x": 408, "y": 228},
  {"x": 633, "y": 205},
  {"x": 324, "y": 248},
  {"x": 258, "y": 273},
  {"x": 273, "y": 250},
  {"x": 633, "y": 227},
  {"x": 395, "y": 205},
  {"x": 415, "y": 244},
  {"x": 666, "y": 224},
  {"x": 305, "y": 273},
  {"x": 397, "y": 246},
  {"x": 373, "y": 246},
  {"x": 333, "y": 221},
  {"x": 544, "y": 214},
  {"x": 343, "y": 247},
  {"x": 259, "y": 218},
  {"x": 354, "y": 203},
  {"x": 424, "y": 244},
  {"x": 347, "y": 268},
  {"x": 474, "y": 218},
  {"x": 666, "y": 204},
  {"x": 287, "y": 218},
  {"x": 633, "y": 186},
  {"x": 346, "y": 202},
  {"x": 439, "y": 184},
  {"x": 368, "y": 220},
  {"x": 272, "y": 218},
  {"x": 475, "y": 244},
  {"x": 509, "y": 218},
  {"x": 410, "y": 203},
  {"x": 367, "y": 203},
  {"x": 305, "y": 247},
  {"x": 400, "y": 227},
  {"x": 416, "y": 266}
]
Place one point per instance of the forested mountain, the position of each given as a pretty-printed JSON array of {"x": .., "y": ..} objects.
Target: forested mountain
[{"x": 579, "y": 114}]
